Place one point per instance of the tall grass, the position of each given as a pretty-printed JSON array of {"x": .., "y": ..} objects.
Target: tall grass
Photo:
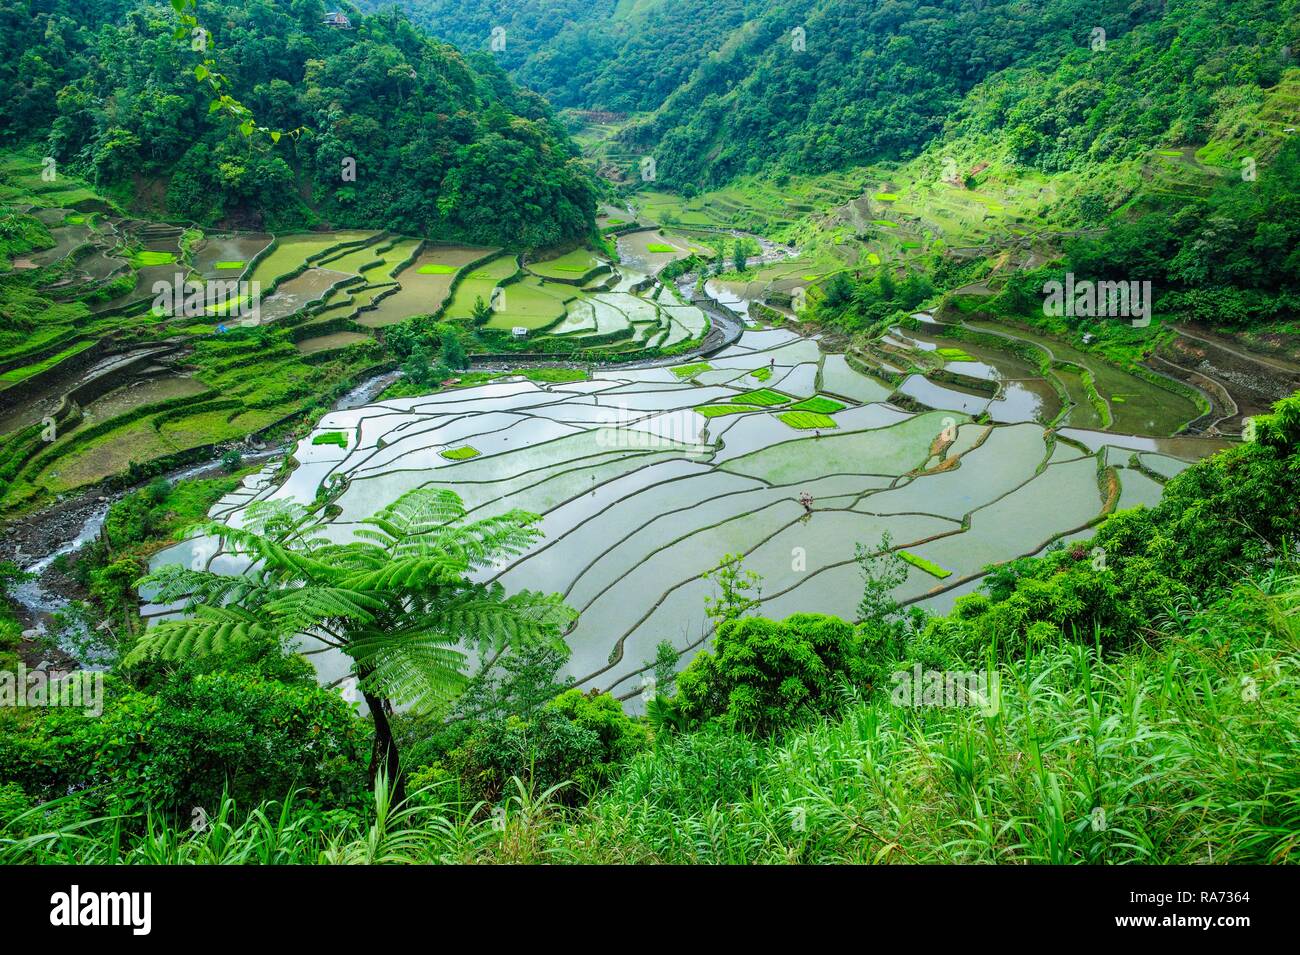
[
  {"x": 1186, "y": 754},
  {"x": 1183, "y": 753}
]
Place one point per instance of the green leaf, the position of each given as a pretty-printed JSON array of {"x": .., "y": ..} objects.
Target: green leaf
[
  {"x": 201, "y": 72},
  {"x": 178, "y": 5}
]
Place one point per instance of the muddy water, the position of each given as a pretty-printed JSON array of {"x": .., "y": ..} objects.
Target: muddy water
[
  {"x": 1137, "y": 405},
  {"x": 309, "y": 346},
  {"x": 420, "y": 293},
  {"x": 124, "y": 399},
  {"x": 298, "y": 292},
  {"x": 231, "y": 248},
  {"x": 1183, "y": 447},
  {"x": 1030, "y": 399}
]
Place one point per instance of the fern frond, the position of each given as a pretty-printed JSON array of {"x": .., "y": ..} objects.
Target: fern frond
[
  {"x": 417, "y": 573},
  {"x": 418, "y": 512},
  {"x": 211, "y": 631},
  {"x": 174, "y": 582},
  {"x": 412, "y": 673},
  {"x": 303, "y": 608}
]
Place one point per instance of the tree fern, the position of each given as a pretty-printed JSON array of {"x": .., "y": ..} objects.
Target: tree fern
[{"x": 397, "y": 599}]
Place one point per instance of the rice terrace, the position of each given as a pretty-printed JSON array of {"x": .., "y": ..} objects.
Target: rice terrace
[{"x": 650, "y": 432}]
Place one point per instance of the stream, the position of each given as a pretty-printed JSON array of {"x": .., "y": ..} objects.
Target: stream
[
  {"x": 35, "y": 542},
  {"x": 69, "y": 525}
]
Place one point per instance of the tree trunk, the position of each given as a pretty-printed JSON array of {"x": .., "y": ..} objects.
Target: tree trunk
[{"x": 384, "y": 754}]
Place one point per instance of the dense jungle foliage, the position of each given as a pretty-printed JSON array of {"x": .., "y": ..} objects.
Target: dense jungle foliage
[
  {"x": 398, "y": 131},
  {"x": 732, "y": 89}
]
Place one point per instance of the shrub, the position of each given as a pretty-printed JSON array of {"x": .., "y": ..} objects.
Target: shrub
[
  {"x": 576, "y": 738},
  {"x": 765, "y": 675},
  {"x": 183, "y": 748}
]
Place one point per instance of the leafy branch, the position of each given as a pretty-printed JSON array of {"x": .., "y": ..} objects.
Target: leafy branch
[{"x": 219, "y": 84}]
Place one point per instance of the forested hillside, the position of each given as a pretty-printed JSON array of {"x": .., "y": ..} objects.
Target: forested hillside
[
  {"x": 735, "y": 90},
  {"x": 442, "y": 145},
  {"x": 619, "y": 55}
]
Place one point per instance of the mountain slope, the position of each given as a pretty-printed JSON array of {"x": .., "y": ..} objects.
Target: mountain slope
[
  {"x": 442, "y": 145},
  {"x": 734, "y": 90}
]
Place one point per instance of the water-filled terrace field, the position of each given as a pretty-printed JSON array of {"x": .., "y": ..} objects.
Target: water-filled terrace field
[{"x": 642, "y": 492}]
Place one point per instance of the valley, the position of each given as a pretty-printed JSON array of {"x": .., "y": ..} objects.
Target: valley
[{"x": 650, "y": 432}]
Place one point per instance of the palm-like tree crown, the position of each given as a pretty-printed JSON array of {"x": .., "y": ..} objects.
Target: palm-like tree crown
[{"x": 399, "y": 599}]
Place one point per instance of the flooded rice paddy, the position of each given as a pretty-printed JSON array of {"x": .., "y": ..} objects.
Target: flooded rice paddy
[{"x": 640, "y": 493}]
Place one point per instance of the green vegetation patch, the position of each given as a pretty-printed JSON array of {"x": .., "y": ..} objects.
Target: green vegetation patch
[
  {"x": 436, "y": 268},
  {"x": 331, "y": 437},
  {"x": 767, "y": 397},
  {"x": 463, "y": 453},
  {"x": 690, "y": 371},
  {"x": 662, "y": 247},
  {"x": 953, "y": 354},
  {"x": 717, "y": 411},
  {"x": 819, "y": 404},
  {"x": 762, "y": 374},
  {"x": 552, "y": 375},
  {"x": 807, "y": 420},
  {"x": 228, "y": 265},
  {"x": 147, "y": 257},
  {"x": 921, "y": 563}
]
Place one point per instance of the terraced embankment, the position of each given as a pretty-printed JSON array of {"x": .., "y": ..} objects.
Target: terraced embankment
[
  {"x": 280, "y": 324},
  {"x": 647, "y": 477}
]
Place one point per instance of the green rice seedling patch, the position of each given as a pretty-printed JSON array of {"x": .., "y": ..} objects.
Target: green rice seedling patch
[
  {"x": 660, "y": 247},
  {"x": 463, "y": 453},
  {"x": 436, "y": 268},
  {"x": 762, "y": 374},
  {"x": 928, "y": 566},
  {"x": 717, "y": 411},
  {"x": 807, "y": 420},
  {"x": 229, "y": 265},
  {"x": 147, "y": 257},
  {"x": 690, "y": 371},
  {"x": 819, "y": 404},
  {"x": 766, "y": 397},
  {"x": 331, "y": 437}
]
